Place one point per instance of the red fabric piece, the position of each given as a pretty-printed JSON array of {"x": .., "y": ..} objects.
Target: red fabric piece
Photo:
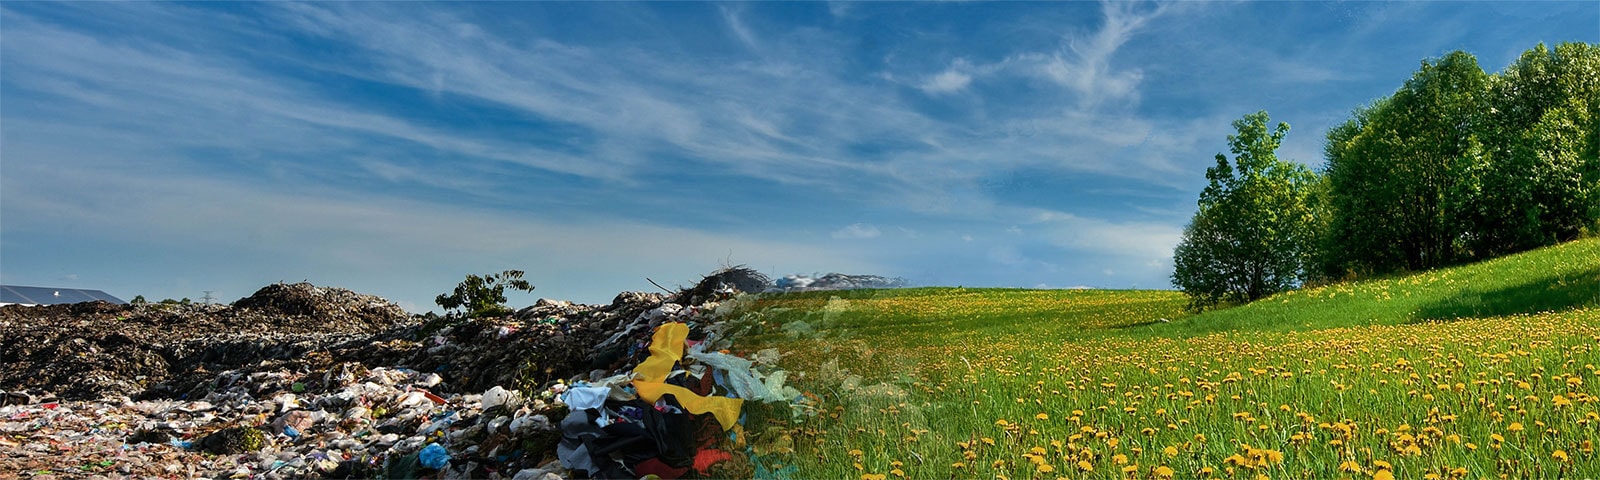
[
  {"x": 658, "y": 468},
  {"x": 708, "y": 457}
]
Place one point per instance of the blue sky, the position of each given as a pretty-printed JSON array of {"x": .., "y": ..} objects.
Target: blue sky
[{"x": 165, "y": 149}]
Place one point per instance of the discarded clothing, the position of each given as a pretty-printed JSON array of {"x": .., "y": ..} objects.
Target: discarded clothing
[
  {"x": 582, "y": 398},
  {"x": 666, "y": 349}
]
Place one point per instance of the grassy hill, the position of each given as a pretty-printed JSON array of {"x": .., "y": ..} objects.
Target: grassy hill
[{"x": 1475, "y": 371}]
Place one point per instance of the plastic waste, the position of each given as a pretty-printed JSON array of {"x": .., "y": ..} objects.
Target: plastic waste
[
  {"x": 495, "y": 397},
  {"x": 434, "y": 456}
]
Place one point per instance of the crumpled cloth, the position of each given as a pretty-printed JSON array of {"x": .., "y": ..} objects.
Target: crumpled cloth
[{"x": 666, "y": 349}]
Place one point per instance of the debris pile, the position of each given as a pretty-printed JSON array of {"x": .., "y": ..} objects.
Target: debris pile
[{"x": 304, "y": 381}]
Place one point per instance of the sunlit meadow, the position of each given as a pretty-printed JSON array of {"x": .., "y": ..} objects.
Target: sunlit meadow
[{"x": 1486, "y": 370}]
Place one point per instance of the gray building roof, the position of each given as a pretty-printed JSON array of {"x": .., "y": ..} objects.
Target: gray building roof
[{"x": 51, "y": 296}]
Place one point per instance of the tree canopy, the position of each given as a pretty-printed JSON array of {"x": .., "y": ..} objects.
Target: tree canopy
[
  {"x": 1254, "y": 232},
  {"x": 1457, "y": 165}
]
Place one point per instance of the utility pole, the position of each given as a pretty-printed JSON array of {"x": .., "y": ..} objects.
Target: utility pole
[{"x": 207, "y": 299}]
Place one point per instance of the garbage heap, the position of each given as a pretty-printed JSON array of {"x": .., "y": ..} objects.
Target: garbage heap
[{"x": 300, "y": 381}]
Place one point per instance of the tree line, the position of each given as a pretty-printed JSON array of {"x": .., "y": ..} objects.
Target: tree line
[{"x": 1457, "y": 165}]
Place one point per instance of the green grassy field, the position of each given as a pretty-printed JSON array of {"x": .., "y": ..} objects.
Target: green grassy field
[{"x": 1486, "y": 370}]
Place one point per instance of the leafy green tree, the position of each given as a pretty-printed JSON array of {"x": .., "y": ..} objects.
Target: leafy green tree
[
  {"x": 1400, "y": 171},
  {"x": 484, "y": 296},
  {"x": 1255, "y": 232},
  {"x": 1538, "y": 183},
  {"x": 138, "y": 300}
]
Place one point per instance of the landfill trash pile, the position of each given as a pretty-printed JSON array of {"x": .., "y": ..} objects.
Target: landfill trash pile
[
  {"x": 835, "y": 281},
  {"x": 92, "y": 350},
  {"x": 300, "y": 381}
]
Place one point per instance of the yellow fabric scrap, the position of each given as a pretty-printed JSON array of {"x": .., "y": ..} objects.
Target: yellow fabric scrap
[{"x": 666, "y": 348}]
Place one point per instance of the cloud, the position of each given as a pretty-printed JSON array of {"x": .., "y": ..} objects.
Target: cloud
[
  {"x": 951, "y": 80},
  {"x": 737, "y": 26},
  {"x": 1084, "y": 64},
  {"x": 856, "y": 231},
  {"x": 1144, "y": 241}
]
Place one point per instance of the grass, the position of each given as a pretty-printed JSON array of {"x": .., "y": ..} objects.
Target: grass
[{"x": 1477, "y": 371}]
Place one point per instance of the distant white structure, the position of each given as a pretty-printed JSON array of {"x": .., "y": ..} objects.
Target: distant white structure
[{"x": 29, "y": 296}]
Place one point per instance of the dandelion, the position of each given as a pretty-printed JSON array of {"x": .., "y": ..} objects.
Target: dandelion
[
  {"x": 1046, "y": 468},
  {"x": 1382, "y": 475},
  {"x": 1164, "y": 472},
  {"x": 1560, "y": 456},
  {"x": 1041, "y": 416},
  {"x": 1514, "y": 427},
  {"x": 1085, "y": 466},
  {"x": 1170, "y": 451}
]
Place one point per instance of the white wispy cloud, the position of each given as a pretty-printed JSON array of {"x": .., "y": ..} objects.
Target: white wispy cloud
[
  {"x": 857, "y": 231},
  {"x": 1084, "y": 64},
  {"x": 737, "y": 26}
]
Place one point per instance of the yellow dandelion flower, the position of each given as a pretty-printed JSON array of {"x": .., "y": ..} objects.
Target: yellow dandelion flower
[
  {"x": 898, "y": 473},
  {"x": 958, "y": 465},
  {"x": 1514, "y": 427},
  {"x": 1560, "y": 456},
  {"x": 1497, "y": 438},
  {"x": 1119, "y": 459},
  {"x": 1112, "y": 442},
  {"x": 873, "y": 476},
  {"x": 1085, "y": 466},
  {"x": 988, "y": 441},
  {"x": 1170, "y": 451},
  {"x": 1382, "y": 475},
  {"x": 1164, "y": 472},
  {"x": 1382, "y": 465},
  {"x": 1041, "y": 416},
  {"x": 1046, "y": 468},
  {"x": 855, "y": 452},
  {"x": 1130, "y": 469}
]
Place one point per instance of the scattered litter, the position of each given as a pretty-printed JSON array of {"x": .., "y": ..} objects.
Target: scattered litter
[{"x": 304, "y": 381}]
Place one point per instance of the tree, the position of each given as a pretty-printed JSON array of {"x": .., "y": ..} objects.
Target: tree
[
  {"x": 138, "y": 300},
  {"x": 1401, "y": 171},
  {"x": 484, "y": 296},
  {"x": 1256, "y": 232},
  {"x": 1538, "y": 183}
]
